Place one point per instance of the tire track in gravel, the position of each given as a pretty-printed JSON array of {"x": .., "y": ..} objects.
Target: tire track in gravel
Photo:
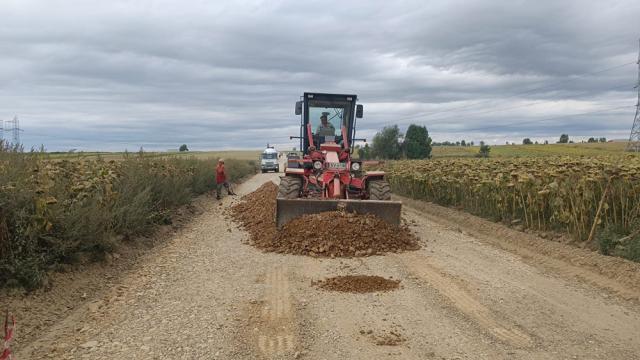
[
  {"x": 276, "y": 331},
  {"x": 466, "y": 303}
]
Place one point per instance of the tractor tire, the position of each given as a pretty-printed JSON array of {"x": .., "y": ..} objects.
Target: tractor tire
[
  {"x": 379, "y": 190},
  {"x": 290, "y": 187}
]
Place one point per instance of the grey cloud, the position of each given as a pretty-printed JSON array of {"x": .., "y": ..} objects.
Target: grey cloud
[{"x": 110, "y": 75}]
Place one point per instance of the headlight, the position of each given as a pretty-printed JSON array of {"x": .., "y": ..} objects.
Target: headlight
[
  {"x": 355, "y": 166},
  {"x": 317, "y": 165}
]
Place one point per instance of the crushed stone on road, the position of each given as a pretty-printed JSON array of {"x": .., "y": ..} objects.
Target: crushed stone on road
[
  {"x": 357, "y": 284},
  {"x": 328, "y": 234}
]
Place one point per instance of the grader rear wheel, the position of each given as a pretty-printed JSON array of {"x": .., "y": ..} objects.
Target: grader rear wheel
[
  {"x": 379, "y": 190},
  {"x": 289, "y": 187}
]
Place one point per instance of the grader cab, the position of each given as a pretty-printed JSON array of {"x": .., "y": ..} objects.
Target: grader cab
[{"x": 327, "y": 178}]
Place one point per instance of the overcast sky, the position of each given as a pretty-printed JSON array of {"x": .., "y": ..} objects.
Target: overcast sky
[{"x": 110, "y": 75}]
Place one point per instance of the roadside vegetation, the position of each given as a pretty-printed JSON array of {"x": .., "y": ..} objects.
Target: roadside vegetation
[
  {"x": 542, "y": 194},
  {"x": 60, "y": 211}
]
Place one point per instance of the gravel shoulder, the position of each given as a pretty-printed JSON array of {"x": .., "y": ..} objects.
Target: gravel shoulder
[{"x": 470, "y": 292}]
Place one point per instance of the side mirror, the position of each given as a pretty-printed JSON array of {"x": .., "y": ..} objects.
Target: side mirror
[
  {"x": 298, "y": 107},
  {"x": 359, "y": 110}
]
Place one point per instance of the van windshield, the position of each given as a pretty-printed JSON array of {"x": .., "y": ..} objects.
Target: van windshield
[{"x": 270, "y": 156}]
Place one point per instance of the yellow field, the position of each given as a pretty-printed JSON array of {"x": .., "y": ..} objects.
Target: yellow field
[{"x": 586, "y": 149}]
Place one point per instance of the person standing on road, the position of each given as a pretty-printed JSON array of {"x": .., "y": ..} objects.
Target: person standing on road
[{"x": 221, "y": 180}]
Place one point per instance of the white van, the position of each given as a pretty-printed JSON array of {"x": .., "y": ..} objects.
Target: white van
[{"x": 269, "y": 160}]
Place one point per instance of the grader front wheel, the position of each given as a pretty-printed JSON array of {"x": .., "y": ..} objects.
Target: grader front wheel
[
  {"x": 379, "y": 190},
  {"x": 289, "y": 187}
]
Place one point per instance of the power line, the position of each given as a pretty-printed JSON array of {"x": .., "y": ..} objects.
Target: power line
[
  {"x": 481, "y": 102},
  {"x": 541, "y": 120},
  {"x": 512, "y": 107}
]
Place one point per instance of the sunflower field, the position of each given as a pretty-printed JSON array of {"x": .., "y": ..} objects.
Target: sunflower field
[
  {"x": 54, "y": 211},
  {"x": 545, "y": 193}
]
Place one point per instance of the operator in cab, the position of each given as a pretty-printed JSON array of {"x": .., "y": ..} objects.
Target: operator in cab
[{"x": 325, "y": 128}]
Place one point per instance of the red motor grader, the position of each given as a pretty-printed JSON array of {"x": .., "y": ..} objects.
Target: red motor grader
[{"x": 327, "y": 178}]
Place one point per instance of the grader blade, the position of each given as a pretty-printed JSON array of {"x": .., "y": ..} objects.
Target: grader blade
[{"x": 289, "y": 209}]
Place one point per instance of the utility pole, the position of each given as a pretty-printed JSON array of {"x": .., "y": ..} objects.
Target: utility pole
[
  {"x": 634, "y": 137},
  {"x": 15, "y": 130}
]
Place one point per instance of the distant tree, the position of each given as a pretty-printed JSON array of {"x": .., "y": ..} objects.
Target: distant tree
[
  {"x": 417, "y": 143},
  {"x": 546, "y": 142},
  {"x": 183, "y": 147},
  {"x": 463, "y": 143},
  {"x": 536, "y": 142},
  {"x": 564, "y": 138},
  {"x": 386, "y": 143},
  {"x": 471, "y": 143},
  {"x": 484, "y": 150},
  {"x": 527, "y": 141},
  {"x": 603, "y": 139},
  {"x": 592, "y": 140}
]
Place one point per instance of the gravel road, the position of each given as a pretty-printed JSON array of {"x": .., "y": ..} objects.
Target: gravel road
[{"x": 468, "y": 293}]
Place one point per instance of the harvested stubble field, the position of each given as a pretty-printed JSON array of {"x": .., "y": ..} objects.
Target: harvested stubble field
[
  {"x": 200, "y": 155},
  {"x": 329, "y": 234},
  {"x": 534, "y": 150},
  {"x": 544, "y": 194}
]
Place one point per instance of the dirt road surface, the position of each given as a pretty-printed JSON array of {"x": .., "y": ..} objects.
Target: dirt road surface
[{"x": 469, "y": 293}]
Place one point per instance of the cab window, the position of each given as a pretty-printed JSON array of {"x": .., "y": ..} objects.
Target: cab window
[{"x": 337, "y": 113}]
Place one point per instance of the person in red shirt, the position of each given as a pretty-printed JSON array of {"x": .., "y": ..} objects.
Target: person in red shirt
[{"x": 221, "y": 180}]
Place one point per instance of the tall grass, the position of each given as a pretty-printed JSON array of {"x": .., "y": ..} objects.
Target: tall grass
[{"x": 51, "y": 212}]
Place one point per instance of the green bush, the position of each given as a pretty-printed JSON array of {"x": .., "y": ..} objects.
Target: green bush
[
  {"x": 632, "y": 250},
  {"x": 607, "y": 239},
  {"x": 51, "y": 212},
  {"x": 613, "y": 240}
]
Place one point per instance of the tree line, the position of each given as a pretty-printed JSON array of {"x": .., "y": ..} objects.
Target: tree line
[
  {"x": 564, "y": 139},
  {"x": 390, "y": 143}
]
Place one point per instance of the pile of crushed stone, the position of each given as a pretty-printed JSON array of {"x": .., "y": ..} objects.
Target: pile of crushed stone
[
  {"x": 328, "y": 234},
  {"x": 256, "y": 213},
  {"x": 357, "y": 284}
]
